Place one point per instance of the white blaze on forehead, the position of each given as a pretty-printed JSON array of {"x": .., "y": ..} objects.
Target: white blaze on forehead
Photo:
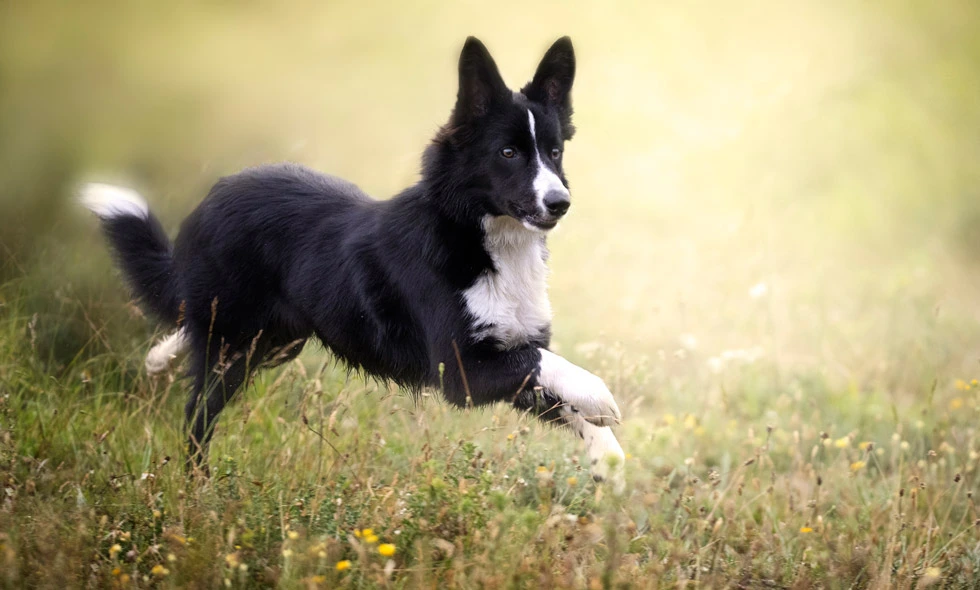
[{"x": 545, "y": 180}]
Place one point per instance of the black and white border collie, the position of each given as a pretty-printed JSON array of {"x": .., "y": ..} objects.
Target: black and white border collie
[{"x": 443, "y": 286}]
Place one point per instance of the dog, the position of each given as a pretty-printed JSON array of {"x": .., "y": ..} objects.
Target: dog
[{"x": 442, "y": 286}]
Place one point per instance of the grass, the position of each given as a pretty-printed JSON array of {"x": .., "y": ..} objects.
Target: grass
[{"x": 771, "y": 259}]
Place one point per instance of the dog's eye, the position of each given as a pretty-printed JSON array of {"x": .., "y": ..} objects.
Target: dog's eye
[
  {"x": 508, "y": 152},
  {"x": 555, "y": 153}
]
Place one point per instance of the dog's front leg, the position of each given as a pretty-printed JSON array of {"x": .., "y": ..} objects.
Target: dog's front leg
[
  {"x": 568, "y": 394},
  {"x": 606, "y": 458},
  {"x": 579, "y": 390},
  {"x": 557, "y": 391}
]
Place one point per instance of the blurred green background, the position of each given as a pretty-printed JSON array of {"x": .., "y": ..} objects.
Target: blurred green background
[
  {"x": 822, "y": 152},
  {"x": 771, "y": 257}
]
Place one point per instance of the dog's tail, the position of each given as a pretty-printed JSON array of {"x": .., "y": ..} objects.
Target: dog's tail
[{"x": 141, "y": 247}]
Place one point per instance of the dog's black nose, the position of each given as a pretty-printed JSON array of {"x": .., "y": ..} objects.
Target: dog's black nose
[{"x": 557, "y": 203}]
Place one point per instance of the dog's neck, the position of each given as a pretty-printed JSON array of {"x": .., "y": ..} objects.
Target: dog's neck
[
  {"x": 509, "y": 302},
  {"x": 504, "y": 233}
]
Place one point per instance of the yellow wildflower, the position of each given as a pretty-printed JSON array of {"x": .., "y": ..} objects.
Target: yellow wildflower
[
  {"x": 386, "y": 549},
  {"x": 864, "y": 445},
  {"x": 114, "y": 550},
  {"x": 669, "y": 419},
  {"x": 806, "y": 529},
  {"x": 843, "y": 442},
  {"x": 542, "y": 469},
  {"x": 961, "y": 385},
  {"x": 342, "y": 565},
  {"x": 159, "y": 571},
  {"x": 287, "y": 553},
  {"x": 293, "y": 535},
  {"x": 857, "y": 465},
  {"x": 572, "y": 481},
  {"x": 371, "y": 539},
  {"x": 956, "y": 403},
  {"x": 116, "y": 571}
]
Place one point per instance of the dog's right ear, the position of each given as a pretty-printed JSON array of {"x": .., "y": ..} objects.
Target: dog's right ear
[{"x": 480, "y": 84}]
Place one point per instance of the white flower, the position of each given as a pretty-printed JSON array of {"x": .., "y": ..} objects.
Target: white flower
[{"x": 689, "y": 342}]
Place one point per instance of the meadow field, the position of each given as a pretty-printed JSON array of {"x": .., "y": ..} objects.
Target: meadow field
[{"x": 772, "y": 257}]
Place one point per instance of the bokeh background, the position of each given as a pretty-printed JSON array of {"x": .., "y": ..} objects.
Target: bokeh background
[
  {"x": 776, "y": 205},
  {"x": 824, "y": 149}
]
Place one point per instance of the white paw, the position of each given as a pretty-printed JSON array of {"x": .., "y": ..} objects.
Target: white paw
[
  {"x": 606, "y": 458},
  {"x": 157, "y": 365},
  {"x": 162, "y": 356},
  {"x": 583, "y": 392}
]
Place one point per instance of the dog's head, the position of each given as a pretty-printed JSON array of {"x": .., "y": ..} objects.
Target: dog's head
[{"x": 503, "y": 149}]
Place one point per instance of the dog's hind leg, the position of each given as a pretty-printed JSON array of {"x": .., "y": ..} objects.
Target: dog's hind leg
[
  {"x": 214, "y": 386},
  {"x": 217, "y": 379}
]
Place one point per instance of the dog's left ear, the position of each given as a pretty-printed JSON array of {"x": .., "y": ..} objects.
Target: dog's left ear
[{"x": 552, "y": 83}]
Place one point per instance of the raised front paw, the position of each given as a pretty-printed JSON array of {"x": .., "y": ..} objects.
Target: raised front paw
[
  {"x": 606, "y": 459},
  {"x": 582, "y": 392}
]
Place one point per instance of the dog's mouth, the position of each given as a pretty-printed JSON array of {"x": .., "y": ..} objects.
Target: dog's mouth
[
  {"x": 536, "y": 221},
  {"x": 540, "y": 224}
]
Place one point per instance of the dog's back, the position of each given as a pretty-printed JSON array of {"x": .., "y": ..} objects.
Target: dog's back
[{"x": 237, "y": 251}]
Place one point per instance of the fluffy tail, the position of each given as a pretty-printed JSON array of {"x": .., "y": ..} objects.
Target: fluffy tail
[{"x": 140, "y": 245}]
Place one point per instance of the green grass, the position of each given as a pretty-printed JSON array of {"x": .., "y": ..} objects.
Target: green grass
[{"x": 823, "y": 149}]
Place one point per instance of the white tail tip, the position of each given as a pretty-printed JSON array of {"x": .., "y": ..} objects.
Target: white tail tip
[
  {"x": 108, "y": 201},
  {"x": 165, "y": 352}
]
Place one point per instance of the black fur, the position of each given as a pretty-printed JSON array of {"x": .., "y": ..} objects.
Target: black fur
[
  {"x": 143, "y": 252},
  {"x": 279, "y": 253}
]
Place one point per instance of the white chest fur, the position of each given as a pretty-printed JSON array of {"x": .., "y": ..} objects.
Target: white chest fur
[{"x": 510, "y": 303}]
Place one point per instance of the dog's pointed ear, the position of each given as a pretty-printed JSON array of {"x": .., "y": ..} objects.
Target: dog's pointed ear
[
  {"x": 480, "y": 84},
  {"x": 552, "y": 82}
]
